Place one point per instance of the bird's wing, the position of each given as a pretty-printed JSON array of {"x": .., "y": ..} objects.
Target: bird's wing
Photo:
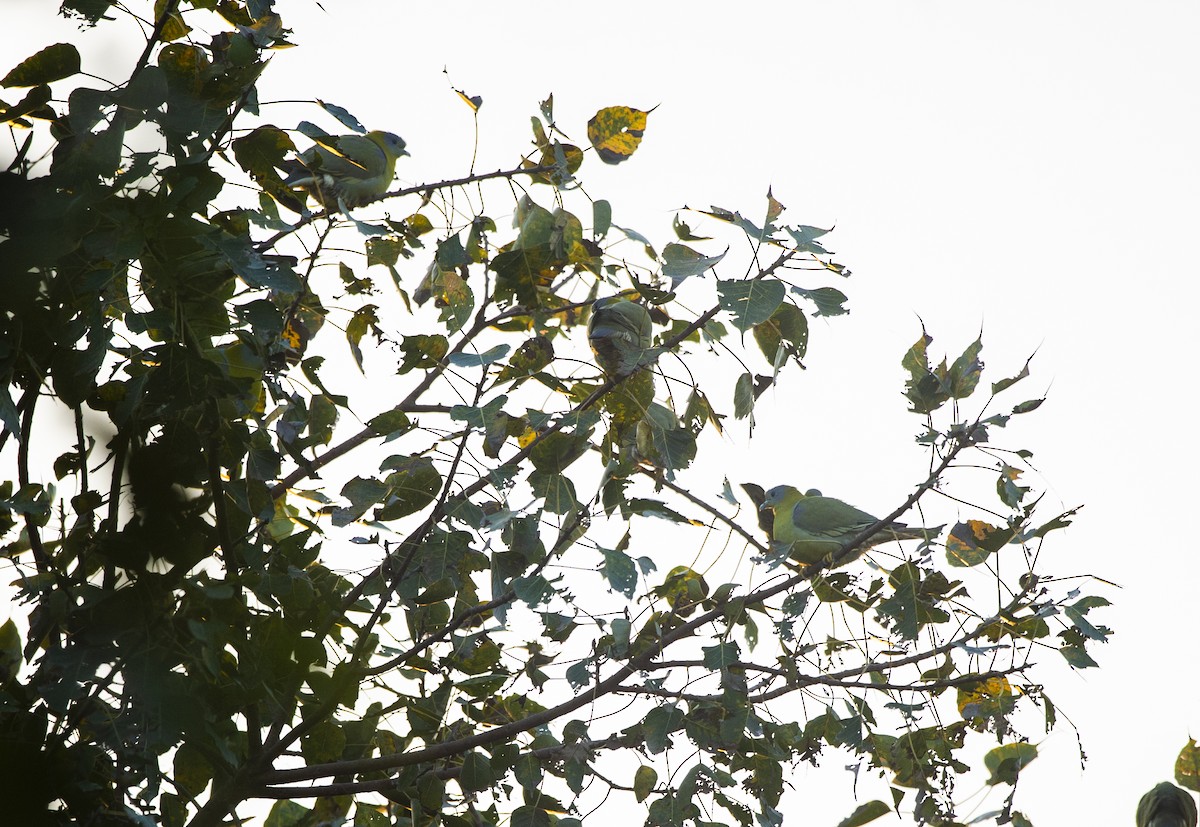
[
  {"x": 354, "y": 156},
  {"x": 829, "y": 517}
]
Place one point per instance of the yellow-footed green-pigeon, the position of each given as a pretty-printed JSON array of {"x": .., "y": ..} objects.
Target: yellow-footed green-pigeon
[
  {"x": 620, "y": 332},
  {"x": 818, "y": 527},
  {"x": 347, "y": 170},
  {"x": 1166, "y": 806}
]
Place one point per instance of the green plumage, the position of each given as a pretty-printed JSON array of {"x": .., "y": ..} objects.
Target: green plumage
[
  {"x": 1166, "y": 806},
  {"x": 620, "y": 332},
  {"x": 347, "y": 170},
  {"x": 818, "y": 527}
]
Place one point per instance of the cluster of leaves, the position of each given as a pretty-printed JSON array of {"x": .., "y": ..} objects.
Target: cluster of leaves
[{"x": 192, "y": 643}]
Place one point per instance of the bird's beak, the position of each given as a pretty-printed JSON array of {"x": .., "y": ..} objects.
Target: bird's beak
[{"x": 766, "y": 507}]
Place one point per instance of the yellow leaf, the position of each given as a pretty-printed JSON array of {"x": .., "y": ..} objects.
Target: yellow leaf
[
  {"x": 616, "y": 131},
  {"x": 986, "y": 699}
]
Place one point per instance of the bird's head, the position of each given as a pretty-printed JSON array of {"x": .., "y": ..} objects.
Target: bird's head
[
  {"x": 779, "y": 495},
  {"x": 389, "y": 142},
  {"x": 785, "y": 495}
]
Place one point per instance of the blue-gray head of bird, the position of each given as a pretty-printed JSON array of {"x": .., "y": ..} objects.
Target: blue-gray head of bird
[
  {"x": 776, "y": 495},
  {"x": 393, "y": 142}
]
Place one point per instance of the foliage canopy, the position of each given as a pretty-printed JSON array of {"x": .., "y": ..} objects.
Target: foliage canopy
[{"x": 467, "y": 624}]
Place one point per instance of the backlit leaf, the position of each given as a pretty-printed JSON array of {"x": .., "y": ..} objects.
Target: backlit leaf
[
  {"x": 50, "y": 64},
  {"x": 616, "y": 132},
  {"x": 751, "y": 301}
]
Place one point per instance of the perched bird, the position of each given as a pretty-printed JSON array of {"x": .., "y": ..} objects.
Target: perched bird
[
  {"x": 620, "y": 332},
  {"x": 818, "y": 527},
  {"x": 1166, "y": 806},
  {"x": 346, "y": 170}
]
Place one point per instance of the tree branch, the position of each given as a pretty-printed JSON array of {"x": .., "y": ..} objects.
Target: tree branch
[
  {"x": 305, "y": 220},
  {"x": 818, "y": 680},
  {"x": 600, "y": 689}
]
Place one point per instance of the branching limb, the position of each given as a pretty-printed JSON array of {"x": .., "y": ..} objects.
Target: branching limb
[{"x": 304, "y": 221}]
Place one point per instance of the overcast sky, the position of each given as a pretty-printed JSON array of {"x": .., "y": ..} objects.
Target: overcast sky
[{"x": 1028, "y": 168}]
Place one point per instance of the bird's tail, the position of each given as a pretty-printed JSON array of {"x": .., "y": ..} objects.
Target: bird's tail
[{"x": 900, "y": 531}]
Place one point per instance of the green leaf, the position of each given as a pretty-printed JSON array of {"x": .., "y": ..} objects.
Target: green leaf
[
  {"x": 50, "y": 64},
  {"x": 829, "y": 300},
  {"x": 390, "y": 422},
  {"x": 658, "y": 725},
  {"x": 192, "y": 770},
  {"x": 925, "y": 388},
  {"x": 323, "y": 743},
  {"x": 173, "y": 810},
  {"x": 479, "y": 418},
  {"x": 528, "y": 815},
  {"x": 1061, "y": 521},
  {"x": 422, "y": 351},
  {"x": 721, "y": 656},
  {"x": 488, "y": 357},
  {"x": 1077, "y": 612},
  {"x": 1008, "y": 383},
  {"x": 662, "y": 441},
  {"x": 532, "y": 356},
  {"x": 261, "y": 152},
  {"x": 644, "y": 780},
  {"x": 456, "y": 300},
  {"x": 865, "y": 813},
  {"x": 533, "y": 591},
  {"x": 564, "y": 160},
  {"x": 556, "y": 489},
  {"x": 911, "y": 607},
  {"x": 476, "y": 773},
  {"x": 10, "y": 651},
  {"x": 1005, "y": 762},
  {"x": 366, "y": 815},
  {"x": 1187, "y": 766},
  {"x": 1077, "y": 656},
  {"x": 684, "y": 232},
  {"x": 645, "y": 507},
  {"x": 1009, "y": 492},
  {"x": 681, "y": 262},
  {"x": 743, "y": 396},
  {"x": 364, "y": 319},
  {"x": 363, "y": 493},
  {"x": 343, "y": 116},
  {"x": 620, "y": 571},
  {"x": 616, "y": 132},
  {"x": 750, "y": 301},
  {"x": 287, "y": 814},
  {"x": 528, "y": 772},
  {"x": 558, "y": 451},
  {"x": 786, "y": 330},
  {"x": 806, "y": 238},
  {"x": 966, "y": 370},
  {"x": 601, "y": 218},
  {"x": 756, "y": 234},
  {"x": 34, "y": 99},
  {"x": 413, "y": 484},
  {"x": 969, "y": 543}
]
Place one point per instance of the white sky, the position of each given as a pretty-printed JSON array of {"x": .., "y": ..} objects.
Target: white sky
[{"x": 1030, "y": 168}]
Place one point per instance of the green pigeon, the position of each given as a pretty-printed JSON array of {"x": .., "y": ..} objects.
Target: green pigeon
[
  {"x": 818, "y": 527},
  {"x": 1166, "y": 806},
  {"x": 346, "y": 170},
  {"x": 620, "y": 332}
]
